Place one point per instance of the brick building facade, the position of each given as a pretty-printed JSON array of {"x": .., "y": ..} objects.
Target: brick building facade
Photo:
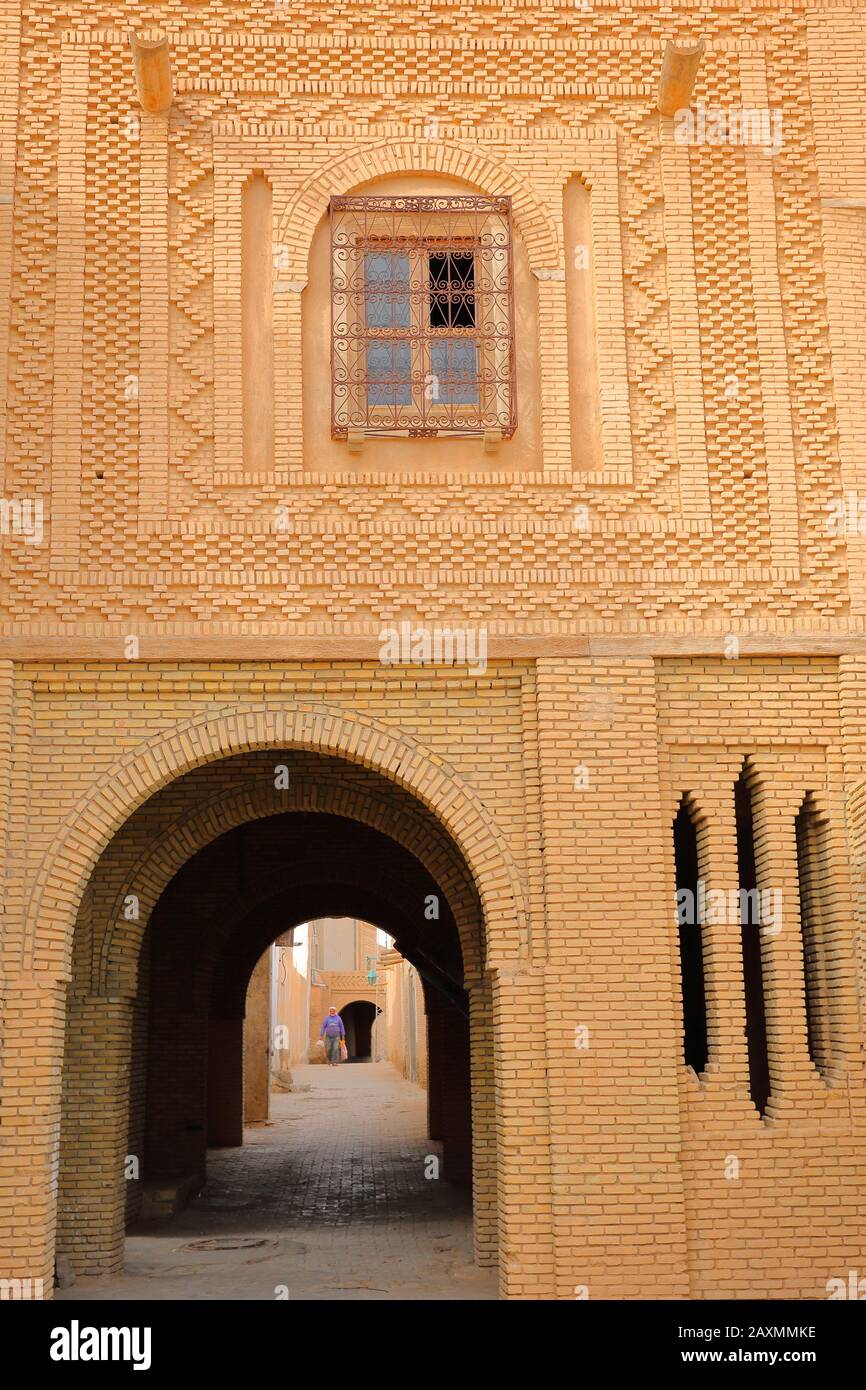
[{"x": 326, "y": 328}]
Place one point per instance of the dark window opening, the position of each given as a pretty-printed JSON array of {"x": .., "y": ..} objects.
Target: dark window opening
[
  {"x": 809, "y": 831},
  {"x": 452, "y": 290},
  {"x": 750, "y": 936},
  {"x": 695, "y": 1046}
]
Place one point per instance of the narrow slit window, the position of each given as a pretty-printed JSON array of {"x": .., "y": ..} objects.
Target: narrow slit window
[
  {"x": 695, "y": 1045},
  {"x": 750, "y": 938}
]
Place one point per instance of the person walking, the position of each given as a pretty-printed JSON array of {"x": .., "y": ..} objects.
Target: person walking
[{"x": 334, "y": 1034}]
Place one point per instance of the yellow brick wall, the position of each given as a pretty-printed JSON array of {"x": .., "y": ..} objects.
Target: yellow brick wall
[
  {"x": 783, "y": 716},
  {"x": 714, "y": 268},
  {"x": 659, "y": 609},
  {"x": 402, "y": 1031}
]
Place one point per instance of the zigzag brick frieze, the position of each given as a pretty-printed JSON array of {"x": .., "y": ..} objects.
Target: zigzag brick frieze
[{"x": 520, "y": 98}]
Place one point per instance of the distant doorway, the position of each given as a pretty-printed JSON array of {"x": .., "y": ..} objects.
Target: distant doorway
[{"x": 358, "y": 1018}]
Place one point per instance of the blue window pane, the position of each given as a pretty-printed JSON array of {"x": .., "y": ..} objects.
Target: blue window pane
[
  {"x": 386, "y": 281},
  {"x": 389, "y": 374},
  {"x": 454, "y": 366}
]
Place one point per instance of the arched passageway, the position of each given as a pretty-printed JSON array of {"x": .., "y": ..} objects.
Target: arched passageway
[
  {"x": 358, "y": 1019},
  {"x": 232, "y": 859}
]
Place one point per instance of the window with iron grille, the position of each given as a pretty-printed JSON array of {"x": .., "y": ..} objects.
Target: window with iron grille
[{"x": 422, "y": 316}]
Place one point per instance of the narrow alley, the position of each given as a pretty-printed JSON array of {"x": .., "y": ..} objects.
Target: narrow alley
[{"x": 328, "y": 1200}]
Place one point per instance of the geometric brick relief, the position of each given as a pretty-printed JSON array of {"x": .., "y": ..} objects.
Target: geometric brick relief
[
  {"x": 712, "y": 492},
  {"x": 806, "y": 330}
]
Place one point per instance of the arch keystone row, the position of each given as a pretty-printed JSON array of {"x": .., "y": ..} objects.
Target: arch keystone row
[
  {"x": 113, "y": 797},
  {"x": 384, "y": 158}
]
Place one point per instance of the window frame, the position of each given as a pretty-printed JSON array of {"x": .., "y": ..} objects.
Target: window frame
[
  {"x": 491, "y": 296},
  {"x": 421, "y": 337}
]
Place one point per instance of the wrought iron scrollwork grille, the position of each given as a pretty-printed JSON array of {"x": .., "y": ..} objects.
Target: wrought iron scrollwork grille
[{"x": 422, "y": 316}]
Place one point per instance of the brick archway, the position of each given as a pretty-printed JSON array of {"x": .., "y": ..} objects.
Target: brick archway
[
  {"x": 445, "y": 157},
  {"x": 108, "y": 803},
  {"x": 102, "y": 1028},
  {"x": 388, "y": 783},
  {"x": 114, "y": 962}
]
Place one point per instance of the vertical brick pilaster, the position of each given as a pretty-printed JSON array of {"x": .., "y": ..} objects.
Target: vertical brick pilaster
[
  {"x": 257, "y": 1043},
  {"x": 728, "y": 1066},
  {"x": 31, "y": 1047},
  {"x": 154, "y": 438},
  {"x": 225, "y": 1083},
  {"x": 92, "y": 1198},
  {"x": 553, "y": 346},
  {"x": 288, "y": 432},
  {"x": 449, "y": 1100},
  {"x": 483, "y": 1102},
  {"x": 10, "y": 40},
  {"x": 456, "y": 1099},
  {"x": 612, "y": 1031},
  {"x": 434, "y": 1067},
  {"x": 794, "y": 1081},
  {"x": 69, "y": 312},
  {"x": 526, "y": 1265}
]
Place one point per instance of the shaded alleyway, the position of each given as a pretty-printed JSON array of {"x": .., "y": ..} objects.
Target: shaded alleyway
[{"x": 334, "y": 1187}]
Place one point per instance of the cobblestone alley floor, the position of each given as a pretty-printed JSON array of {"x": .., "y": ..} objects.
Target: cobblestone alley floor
[{"x": 334, "y": 1186}]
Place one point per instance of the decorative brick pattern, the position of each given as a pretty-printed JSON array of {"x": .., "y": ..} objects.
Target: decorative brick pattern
[
  {"x": 324, "y": 108},
  {"x": 664, "y": 610}
]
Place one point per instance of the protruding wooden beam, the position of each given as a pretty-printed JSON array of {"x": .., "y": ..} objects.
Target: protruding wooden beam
[
  {"x": 679, "y": 70},
  {"x": 153, "y": 73}
]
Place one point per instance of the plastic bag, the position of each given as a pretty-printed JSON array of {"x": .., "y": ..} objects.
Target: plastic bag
[{"x": 344, "y": 1052}]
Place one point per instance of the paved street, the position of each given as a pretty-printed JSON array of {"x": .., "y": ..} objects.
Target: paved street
[{"x": 334, "y": 1187}]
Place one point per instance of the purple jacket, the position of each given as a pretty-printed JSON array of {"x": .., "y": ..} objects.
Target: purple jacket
[{"x": 333, "y": 1026}]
